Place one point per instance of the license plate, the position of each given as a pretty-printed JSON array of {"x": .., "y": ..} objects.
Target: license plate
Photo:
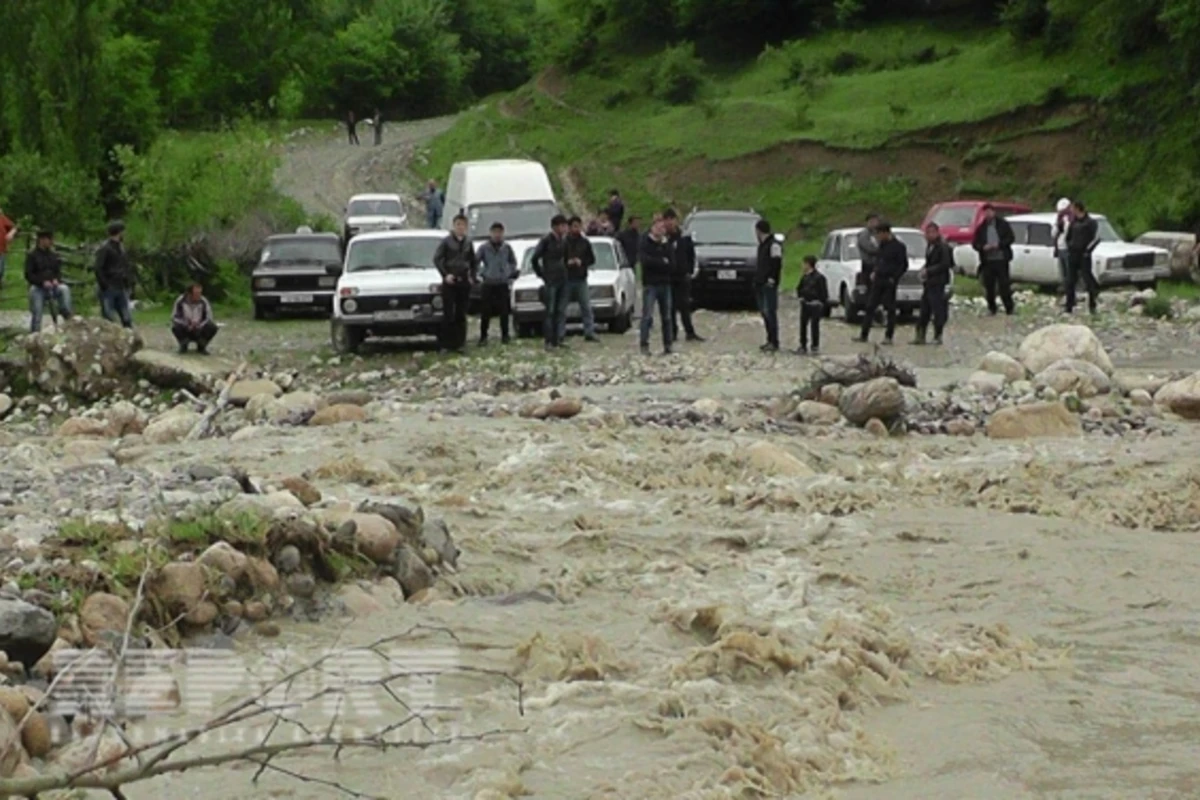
[
  {"x": 393, "y": 316},
  {"x": 727, "y": 275},
  {"x": 296, "y": 298}
]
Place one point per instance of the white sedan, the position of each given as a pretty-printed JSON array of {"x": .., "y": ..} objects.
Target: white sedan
[
  {"x": 841, "y": 263},
  {"x": 612, "y": 288},
  {"x": 1114, "y": 261}
]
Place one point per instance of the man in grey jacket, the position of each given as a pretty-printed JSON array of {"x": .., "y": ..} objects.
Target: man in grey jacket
[
  {"x": 192, "y": 320},
  {"x": 497, "y": 271},
  {"x": 868, "y": 248}
]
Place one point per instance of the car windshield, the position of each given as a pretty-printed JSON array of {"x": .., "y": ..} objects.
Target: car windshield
[
  {"x": 606, "y": 258},
  {"x": 912, "y": 240},
  {"x": 518, "y": 219},
  {"x": 724, "y": 230},
  {"x": 411, "y": 252},
  {"x": 301, "y": 251},
  {"x": 374, "y": 208},
  {"x": 1106, "y": 232},
  {"x": 955, "y": 216}
]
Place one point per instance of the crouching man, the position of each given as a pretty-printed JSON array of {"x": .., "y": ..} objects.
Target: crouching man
[
  {"x": 192, "y": 320},
  {"x": 43, "y": 272}
]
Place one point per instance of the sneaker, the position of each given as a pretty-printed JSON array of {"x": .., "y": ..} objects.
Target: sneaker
[
  {"x": 937, "y": 340},
  {"x": 919, "y": 342},
  {"x": 645, "y": 349},
  {"x": 667, "y": 351},
  {"x": 764, "y": 348},
  {"x": 593, "y": 339},
  {"x": 695, "y": 337},
  {"x": 815, "y": 350},
  {"x": 887, "y": 341},
  {"x": 801, "y": 350},
  {"x": 183, "y": 348},
  {"x": 860, "y": 339},
  {"x": 202, "y": 349}
]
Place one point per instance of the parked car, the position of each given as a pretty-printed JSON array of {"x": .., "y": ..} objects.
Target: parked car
[
  {"x": 840, "y": 262},
  {"x": 959, "y": 219},
  {"x": 612, "y": 288},
  {"x": 1115, "y": 262},
  {"x": 373, "y": 212},
  {"x": 296, "y": 271},
  {"x": 726, "y": 257},
  {"x": 1181, "y": 246},
  {"x": 388, "y": 287}
]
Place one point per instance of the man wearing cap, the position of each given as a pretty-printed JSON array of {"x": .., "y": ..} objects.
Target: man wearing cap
[
  {"x": 43, "y": 272},
  {"x": 1062, "y": 224},
  {"x": 114, "y": 276},
  {"x": 891, "y": 264},
  {"x": 993, "y": 241}
]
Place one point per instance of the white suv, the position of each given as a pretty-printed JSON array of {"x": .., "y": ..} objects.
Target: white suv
[
  {"x": 1115, "y": 262},
  {"x": 388, "y": 287},
  {"x": 373, "y": 212}
]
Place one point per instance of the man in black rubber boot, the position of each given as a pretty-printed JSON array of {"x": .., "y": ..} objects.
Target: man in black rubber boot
[
  {"x": 935, "y": 276},
  {"x": 891, "y": 265}
]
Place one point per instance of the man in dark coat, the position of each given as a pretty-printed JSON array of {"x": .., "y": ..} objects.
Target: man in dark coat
[
  {"x": 813, "y": 291},
  {"x": 766, "y": 282},
  {"x": 549, "y": 262},
  {"x": 580, "y": 258},
  {"x": 993, "y": 242},
  {"x": 1082, "y": 238},
  {"x": 114, "y": 276},
  {"x": 43, "y": 273},
  {"x": 890, "y": 267},
  {"x": 654, "y": 252},
  {"x": 935, "y": 276},
  {"x": 456, "y": 260},
  {"x": 683, "y": 254},
  {"x": 629, "y": 239}
]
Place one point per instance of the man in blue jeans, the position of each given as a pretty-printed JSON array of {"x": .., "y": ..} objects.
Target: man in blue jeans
[
  {"x": 580, "y": 258},
  {"x": 658, "y": 267},
  {"x": 549, "y": 262},
  {"x": 114, "y": 276},
  {"x": 43, "y": 273},
  {"x": 766, "y": 282}
]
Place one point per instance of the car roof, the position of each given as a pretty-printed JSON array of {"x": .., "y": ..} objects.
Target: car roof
[
  {"x": 977, "y": 203},
  {"x": 374, "y": 196},
  {"x": 416, "y": 233},
  {"x": 291, "y": 237},
  {"x": 714, "y": 212},
  {"x": 855, "y": 231},
  {"x": 1048, "y": 217}
]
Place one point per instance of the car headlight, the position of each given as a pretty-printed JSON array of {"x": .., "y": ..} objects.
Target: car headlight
[
  {"x": 326, "y": 283},
  {"x": 1115, "y": 263},
  {"x": 1161, "y": 259},
  {"x": 437, "y": 303},
  {"x": 601, "y": 292},
  {"x": 350, "y": 306},
  {"x": 435, "y": 288},
  {"x": 264, "y": 283}
]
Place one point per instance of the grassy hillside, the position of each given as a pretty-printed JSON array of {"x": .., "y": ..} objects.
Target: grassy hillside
[{"x": 814, "y": 133}]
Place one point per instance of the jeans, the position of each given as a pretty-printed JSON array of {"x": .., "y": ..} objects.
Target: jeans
[
  {"x": 496, "y": 300},
  {"x": 38, "y": 296},
  {"x": 114, "y": 305},
  {"x": 433, "y": 218},
  {"x": 554, "y": 297},
  {"x": 768, "y": 306},
  {"x": 681, "y": 308},
  {"x": 810, "y": 323},
  {"x": 1080, "y": 266},
  {"x": 577, "y": 292},
  {"x": 1064, "y": 267},
  {"x": 996, "y": 280},
  {"x": 935, "y": 306},
  {"x": 882, "y": 292},
  {"x": 455, "y": 297},
  {"x": 656, "y": 295},
  {"x": 201, "y": 336}
]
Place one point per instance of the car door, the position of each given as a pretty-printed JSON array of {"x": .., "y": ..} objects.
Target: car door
[
  {"x": 828, "y": 264},
  {"x": 1019, "y": 269},
  {"x": 626, "y": 281},
  {"x": 1041, "y": 262}
]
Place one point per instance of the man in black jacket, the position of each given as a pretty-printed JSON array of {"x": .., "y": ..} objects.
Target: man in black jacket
[
  {"x": 629, "y": 238},
  {"x": 456, "y": 260},
  {"x": 683, "y": 254},
  {"x": 935, "y": 275},
  {"x": 766, "y": 282},
  {"x": 580, "y": 258},
  {"x": 657, "y": 265},
  {"x": 813, "y": 291},
  {"x": 993, "y": 242},
  {"x": 43, "y": 272},
  {"x": 1082, "y": 235},
  {"x": 890, "y": 267},
  {"x": 549, "y": 262},
  {"x": 114, "y": 276}
]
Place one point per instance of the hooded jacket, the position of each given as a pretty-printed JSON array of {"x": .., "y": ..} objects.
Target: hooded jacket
[{"x": 868, "y": 250}]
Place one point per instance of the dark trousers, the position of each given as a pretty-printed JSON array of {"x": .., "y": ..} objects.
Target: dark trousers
[
  {"x": 681, "y": 308},
  {"x": 996, "y": 280},
  {"x": 656, "y": 295},
  {"x": 200, "y": 336},
  {"x": 353, "y": 134},
  {"x": 881, "y": 293},
  {"x": 496, "y": 301},
  {"x": 114, "y": 306},
  {"x": 379, "y": 134},
  {"x": 554, "y": 297},
  {"x": 935, "y": 306},
  {"x": 810, "y": 322},
  {"x": 768, "y": 307},
  {"x": 455, "y": 297},
  {"x": 1079, "y": 266}
]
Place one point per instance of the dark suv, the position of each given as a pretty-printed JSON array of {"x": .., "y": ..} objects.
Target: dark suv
[
  {"x": 727, "y": 255},
  {"x": 296, "y": 271}
]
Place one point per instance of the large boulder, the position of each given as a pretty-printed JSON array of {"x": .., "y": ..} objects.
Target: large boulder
[
  {"x": 85, "y": 357},
  {"x": 83, "y": 427},
  {"x": 102, "y": 615},
  {"x": 377, "y": 539},
  {"x": 171, "y": 426},
  {"x": 26, "y": 631},
  {"x": 336, "y": 415},
  {"x": 1181, "y": 397},
  {"x": 181, "y": 586},
  {"x": 242, "y": 391},
  {"x": 1035, "y": 420},
  {"x": 811, "y": 412},
  {"x": 771, "y": 459},
  {"x": 126, "y": 419},
  {"x": 170, "y": 371},
  {"x": 999, "y": 363},
  {"x": 1054, "y": 343},
  {"x": 881, "y": 398},
  {"x": 292, "y": 408},
  {"x": 1073, "y": 375},
  {"x": 988, "y": 384}
]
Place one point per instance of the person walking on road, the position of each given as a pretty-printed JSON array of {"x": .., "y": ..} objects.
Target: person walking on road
[
  {"x": 351, "y": 127},
  {"x": 615, "y": 209},
  {"x": 192, "y": 320},
  {"x": 766, "y": 282},
  {"x": 549, "y": 262},
  {"x": 435, "y": 204},
  {"x": 114, "y": 276},
  {"x": 377, "y": 125},
  {"x": 683, "y": 254},
  {"x": 1082, "y": 238},
  {"x": 8, "y": 232},
  {"x": 497, "y": 271},
  {"x": 43, "y": 273},
  {"x": 813, "y": 291},
  {"x": 890, "y": 266},
  {"x": 993, "y": 242},
  {"x": 455, "y": 259},
  {"x": 935, "y": 277},
  {"x": 630, "y": 238},
  {"x": 654, "y": 252},
  {"x": 580, "y": 258}
]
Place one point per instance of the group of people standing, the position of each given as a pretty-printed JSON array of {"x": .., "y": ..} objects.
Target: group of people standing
[{"x": 376, "y": 122}]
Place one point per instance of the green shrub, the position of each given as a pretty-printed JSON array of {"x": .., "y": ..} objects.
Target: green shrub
[
  {"x": 679, "y": 75},
  {"x": 35, "y": 191},
  {"x": 1026, "y": 20},
  {"x": 1158, "y": 308}
]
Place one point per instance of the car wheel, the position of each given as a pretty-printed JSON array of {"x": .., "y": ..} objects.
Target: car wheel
[
  {"x": 848, "y": 309},
  {"x": 622, "y": 322},
  {"x": 260, "y": 313},
  {"x": 346, "y": 340},
  {"x": 525, "y": 330}
]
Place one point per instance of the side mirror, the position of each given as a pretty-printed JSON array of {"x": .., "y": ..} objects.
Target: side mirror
[{"x": 333, "y": 269}]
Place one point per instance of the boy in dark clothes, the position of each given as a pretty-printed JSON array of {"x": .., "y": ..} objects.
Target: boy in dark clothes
[{"x": 813, "y": 291}]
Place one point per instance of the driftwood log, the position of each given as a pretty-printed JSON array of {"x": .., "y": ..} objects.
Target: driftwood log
[{"x": 849, "y": 370}]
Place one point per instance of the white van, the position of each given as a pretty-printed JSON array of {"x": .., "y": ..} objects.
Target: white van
[{"x": 513, "y": 192}]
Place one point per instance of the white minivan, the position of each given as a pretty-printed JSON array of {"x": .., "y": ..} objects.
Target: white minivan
[{"x": 513, "y": 192}]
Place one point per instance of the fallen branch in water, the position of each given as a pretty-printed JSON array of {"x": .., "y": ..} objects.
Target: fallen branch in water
[{"x": 205, "y": 422}]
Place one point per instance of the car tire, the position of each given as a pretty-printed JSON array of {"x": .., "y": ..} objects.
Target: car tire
[
  {"x": 260, "y": 313},
  {"x": 848, "y": 310},
  {"x": 346, "y": 340},
  {"x": 526, "y": 330},
  {"x": 622, "y": 322}
]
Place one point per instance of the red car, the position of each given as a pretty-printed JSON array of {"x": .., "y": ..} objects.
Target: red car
[{"x": 959, "y": 219}]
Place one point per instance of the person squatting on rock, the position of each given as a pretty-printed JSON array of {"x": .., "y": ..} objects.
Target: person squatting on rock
[
  {"x": 890, "y": 267},
  {"x": 192, "y": 320},
  {"x": 43, "y": 273},
  {"x": 1082, "y": 238},
  {"x": 813, "y": 291},
  {"x": 549, "y": 262},
  {"x": 766, "y": 282},
  {"x": 935, "y": 277},
  {"x": 497, "y": 271},
  {"x": 114, "y": 276},
  {"x": 580, "y": 258},
  {"x": 993, "y": 242},
  {"x": 456, "y": 261},
  {"x": 654, "y": 252},
  {"x": 683, "y": 257}
]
